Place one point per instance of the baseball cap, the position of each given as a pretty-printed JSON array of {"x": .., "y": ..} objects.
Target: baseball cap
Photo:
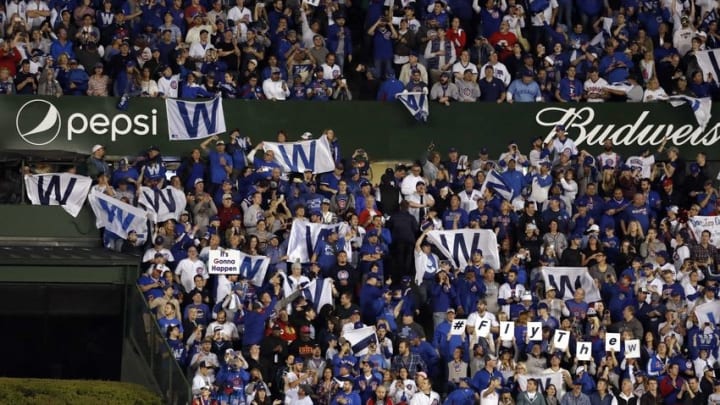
[
  {"x": 97, "y": 148},
  {"x": 199, "y": 180}
]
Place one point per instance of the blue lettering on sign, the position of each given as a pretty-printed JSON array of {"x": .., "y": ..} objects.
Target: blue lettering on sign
[
  {"x": 53, "y": 187},
  {"x": 459, "y": 247},
  {"x": 249, "y": 268},
  {"x": 114, "y": 212},
  {"x": 543, "y": 384},
  {"x": 209, "y": 118},
  {"x": 298, "y": 154},
  {"x": 164, "y": 195},
  {"x": 563, "y": 283}
]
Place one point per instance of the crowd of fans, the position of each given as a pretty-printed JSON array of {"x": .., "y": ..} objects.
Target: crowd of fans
[
  {"x": 460, "y": 50},
  {"x": 624, "y": 218}
]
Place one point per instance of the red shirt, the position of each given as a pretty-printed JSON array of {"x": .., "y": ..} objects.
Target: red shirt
[
  {"x": 458, "y": 39},
  {"x": 503, "y": 42}
]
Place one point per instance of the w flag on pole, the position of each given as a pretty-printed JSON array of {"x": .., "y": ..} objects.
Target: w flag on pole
[
  {"x": 416, "y": 102},
  {"x": 190, "y": 120},
  {"x": 709, "y": 62},
  {"x": 360, "y": 339},
  {"x": 701, "y": 107},
  {"x": 495, "y": 182},
  {"x": 319, "y": 293}
]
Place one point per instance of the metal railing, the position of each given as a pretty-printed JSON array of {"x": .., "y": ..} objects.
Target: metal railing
[{"x": 144, "y": 333}]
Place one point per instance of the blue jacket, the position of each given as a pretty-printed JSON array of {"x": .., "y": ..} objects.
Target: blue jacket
[{"x": 333, "y": 39}]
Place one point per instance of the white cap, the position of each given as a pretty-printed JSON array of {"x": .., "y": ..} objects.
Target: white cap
[
  {"x": 97, "y": 148},
  {"x": 593, "y": 228},
  {"x": 306, "y": 136}
]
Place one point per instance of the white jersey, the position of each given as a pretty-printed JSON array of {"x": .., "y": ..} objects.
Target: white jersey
[
  {"x": 331, "y": 72},
  {"x": 459, "y": 69},
  {"x": 641, "y": 166},
  {"x": 594, "y": 90},
  {"x": 409, "y": 184},
  {"x": 415, "y": 198},
  {"x": 500, "y": 71},
  {"x": 275, "y": 90},
  {"x": 492, "y": 399},
  {"x": 654, "y": 95},
  {"x": 568, "y": 144},
  {"x": 237, "y": 14},
  {"x": 168, "y": 86},
  {"x": 468, "y": 200},
  {"x": 422, "y": 398},
  {"x": 505, "y": 292},
  {"x": 399, "y": 389},
  {"x": 187, "y": 269},
  {"x": 425, "y": 265},
  {"x": 198, "y": 49},
  {"x": 150, "y": 255}
]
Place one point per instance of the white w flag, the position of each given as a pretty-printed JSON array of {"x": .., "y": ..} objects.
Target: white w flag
[
  {"x": 701, "y": 107},
  {"x": 191, "y": 120},
  {"x": 64, "y": 189},
  {"x": 458, "y": 245},
  {"x": 360, "y": 339},
  {"x": 544, "y": 380},
  {"x": 709, "y": 62},
  {"x": 164, "y": 204},
  {"x": 416, "y": 102},
  {"x": 304, "y": 236},
  {"x": 568, "y": 279},
  {"x": 495, "y": 182},
  {"x": 117, "y": 216},
  {"x": 708, "y": 312},
  {"x": 297, "y": 156},
  {"x": 253, "y": 268},
  {"x": 319, "y": 293}
]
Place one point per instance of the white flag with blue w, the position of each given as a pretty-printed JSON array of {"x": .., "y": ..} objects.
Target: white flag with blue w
[
  {"x": 709, "y": 62},
  {"x": 253, "y": 268},
  {"x": 319, "y": 293},
  {"x": 360, "y": 339},
  {"x": 416, "y": 102},
  {"x": 708, "y": 312},
  {"x": 117, "y": 216},
  {"x": 495, "y": 182},
  {"x": 701, "y": 107},
  {"x": 64, "y": 189},
  {"x": 191, "y": 120},
  {"x": 295, "y": 157}
]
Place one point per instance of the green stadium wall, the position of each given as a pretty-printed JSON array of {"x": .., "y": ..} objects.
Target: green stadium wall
[{"x": 385, "y": 130}]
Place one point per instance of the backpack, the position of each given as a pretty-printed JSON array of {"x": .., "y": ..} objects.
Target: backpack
[{"x": 538, "y": 6}]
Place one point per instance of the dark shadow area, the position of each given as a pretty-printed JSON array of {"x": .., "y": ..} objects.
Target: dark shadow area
[{"x": 61, "y": 331}]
